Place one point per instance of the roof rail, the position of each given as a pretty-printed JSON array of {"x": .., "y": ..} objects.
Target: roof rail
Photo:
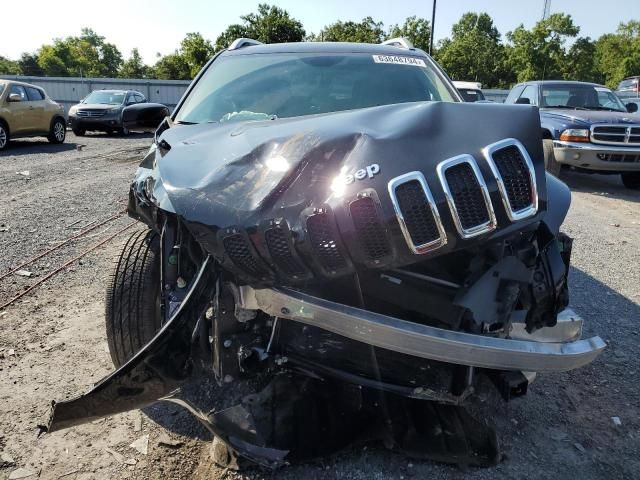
[
  {"x": 399, "y": 42},
  {"x": 243, "y": 42}
]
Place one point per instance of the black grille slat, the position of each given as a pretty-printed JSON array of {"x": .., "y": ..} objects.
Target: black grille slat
[
  {"x": 515, "y": 176},
  {"x": 467, "y": 196},
  {"x": 280, "y": 251},
  {"x": 323, "y": 238},
  {"x": 417, "y": 213},
  {"x": 240, "y": 254},
  {"x": 369, "y": 228}
]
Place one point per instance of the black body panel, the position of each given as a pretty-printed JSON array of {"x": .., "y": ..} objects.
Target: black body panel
[{"x": 227, "y": 180}]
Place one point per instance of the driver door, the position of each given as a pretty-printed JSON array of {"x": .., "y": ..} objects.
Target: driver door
[{"x": 18, "y": 117}]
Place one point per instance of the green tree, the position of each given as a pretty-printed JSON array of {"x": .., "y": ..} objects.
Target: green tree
[
  {"x": 87, "y": 55},
  {"x": 366, "y": 31},
  {"x": 474, "y": 51},
  {"x": 539, "y": 53},
  {"x": 416, "y": 29},
  {"x": 617, "y": 55},
  {"x": 196, "y": 52},
  {"x": 580, "y": 62},
  {"x": 172, "y": 67},
  {"x": 9, "y": 67},
  {"x": 270, "y": 24},
  {"x": 29, "y": 64},
  {"x": 134, "y": 67}
]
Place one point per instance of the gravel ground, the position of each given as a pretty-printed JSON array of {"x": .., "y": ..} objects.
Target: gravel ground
[{"x": 52, "y": 342}]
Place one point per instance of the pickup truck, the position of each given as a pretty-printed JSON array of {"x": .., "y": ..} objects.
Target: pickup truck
[{"x": 585, "y": 126}]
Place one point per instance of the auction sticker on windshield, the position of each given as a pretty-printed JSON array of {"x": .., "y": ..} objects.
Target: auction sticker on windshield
[{"x": 417, "y": 62}]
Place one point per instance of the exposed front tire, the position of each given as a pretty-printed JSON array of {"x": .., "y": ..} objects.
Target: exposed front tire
[
  {"x": 133, "y": 313},
  {"x": 58, "y": 131},
  {"x": 631, "y": 180},
  {"x": 550, "y": 163},
  {"x": 4, "y": 135},
  {"x": 124, "y": 131},
  {"x": 79, "y": 132}
]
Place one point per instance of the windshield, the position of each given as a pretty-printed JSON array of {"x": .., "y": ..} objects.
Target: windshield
[
  {"x": 108, "y": 98},
  {"x": 261, "y": 86},
  {"x": 471, "y": 95},
  {"x": 580, "y": 97}
]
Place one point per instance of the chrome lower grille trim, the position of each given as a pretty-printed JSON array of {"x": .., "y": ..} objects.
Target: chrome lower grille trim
[
  {"x": 467, "y": 231},
  {"x": 513, "y": 213},
  {"x": 439, "y": 237}
]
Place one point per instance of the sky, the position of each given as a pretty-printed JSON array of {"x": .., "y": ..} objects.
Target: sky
[{"x": 159, "y": 26}]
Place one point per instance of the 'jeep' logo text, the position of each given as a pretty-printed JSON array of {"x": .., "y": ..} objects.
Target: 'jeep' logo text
[{"x": 368, "y": 172}]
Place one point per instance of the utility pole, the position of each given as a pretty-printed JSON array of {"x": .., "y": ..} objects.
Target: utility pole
[
  {"x": 433, "y": 21},
  {"x": 546, "y": 9}
]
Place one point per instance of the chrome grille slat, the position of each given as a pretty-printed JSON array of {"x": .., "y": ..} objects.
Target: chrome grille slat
[
  {"x": 467, "y": 196},
  {"x": 90, "y": 113},
  {"x": 515, "y": 177},
  {"x": 417, "y": 213},
  {"x": 625, "y": 134}
]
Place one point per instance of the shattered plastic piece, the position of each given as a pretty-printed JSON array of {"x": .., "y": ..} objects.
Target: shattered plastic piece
[
  {"x": 616, "y": 421},
  {"x": 118, "y": 456},
  {"x": 166, "y": 441},
  {"x": 137, "y": 422},
  {"x": 6, "y": 460},
  {"x": 24, "y": 173},
  {"x": 21, "y": 473},
  {"x": 141, "y": 445},
  {"x": 24, "y": 273}
]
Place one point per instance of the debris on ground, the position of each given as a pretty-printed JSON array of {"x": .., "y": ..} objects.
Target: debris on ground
[
  {"x": 21, "y": 473},
  {"x": 24, "y": 173},
  {"x": 24, "y": 273},
  {"x": 141, "y": 444},
  {"x": 579, "y": 447},
  {"x": 6, "y": 460},
  {"x": 616, "y": 421},
  {"x": 166, "y": 441},
  {"x": 118, "y": 456},
  {"x": 137, "y": 421}
]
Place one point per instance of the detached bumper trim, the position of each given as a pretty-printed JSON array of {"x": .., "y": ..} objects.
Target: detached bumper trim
[{"x": 421, "y": 340}]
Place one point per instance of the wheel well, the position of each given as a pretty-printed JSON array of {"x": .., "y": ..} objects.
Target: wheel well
[
  {"x": 546, "y": 134},
  {"x": 6, "y": 124},
  {"x": 56, "y": 117}
]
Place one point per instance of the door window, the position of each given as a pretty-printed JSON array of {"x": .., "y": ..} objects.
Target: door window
[
  {"x": 514, "y": 94},
  {"x": 19, "y": 89},
  {"x": 531, "y": 92},
  {"x": 34, "y": 94}
]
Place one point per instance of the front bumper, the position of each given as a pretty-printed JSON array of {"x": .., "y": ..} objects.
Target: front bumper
[
  {"x": 597, "y": 157},
  {"x": 110, "y": 122},
  {"x": 429, "y": 342}
]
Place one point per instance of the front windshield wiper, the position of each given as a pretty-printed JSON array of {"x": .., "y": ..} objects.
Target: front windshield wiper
[
  {"x": 184, "y": 122},
  {"x": 608, "y": 109}
]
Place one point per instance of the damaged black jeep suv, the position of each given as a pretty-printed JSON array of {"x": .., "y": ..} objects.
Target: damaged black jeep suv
[{"x": 334, "y": 215}]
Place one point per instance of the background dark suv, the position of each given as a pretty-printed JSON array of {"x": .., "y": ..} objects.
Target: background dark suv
[{"x": 102, "y": 111}]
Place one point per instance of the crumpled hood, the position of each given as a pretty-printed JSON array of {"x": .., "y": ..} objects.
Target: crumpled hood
[
  {"x": 228, "y": 174},
  {"x": 589, "y": 117}
]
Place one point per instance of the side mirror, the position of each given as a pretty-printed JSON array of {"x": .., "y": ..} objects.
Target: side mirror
[
  {"x": 632, "y": 107},
  {"x": 523, "y": 101},
  {"x": 14, "y": 97}
]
